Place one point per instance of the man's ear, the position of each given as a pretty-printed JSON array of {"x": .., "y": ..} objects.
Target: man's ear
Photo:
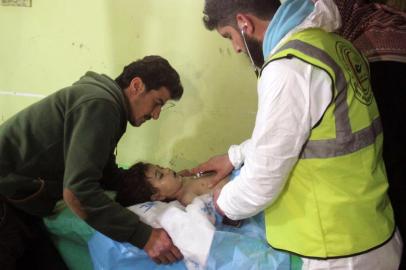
[
  {"x": 157, "y": 197},
  {"x": 136, "y": 86},
  {"x": 244, "y": 23}
]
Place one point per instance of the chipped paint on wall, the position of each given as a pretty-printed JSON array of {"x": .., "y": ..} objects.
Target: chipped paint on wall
[
  {"x": 18, "y": 3},
  {"x": 21, "y": 94}
]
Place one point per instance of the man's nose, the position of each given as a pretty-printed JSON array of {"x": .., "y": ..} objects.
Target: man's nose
[
  {"x": 155, "y": 113},
  {"x": 237, "y": 48}
]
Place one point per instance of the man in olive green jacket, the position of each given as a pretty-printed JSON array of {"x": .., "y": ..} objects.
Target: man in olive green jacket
[{"x": 63, "y": 147}]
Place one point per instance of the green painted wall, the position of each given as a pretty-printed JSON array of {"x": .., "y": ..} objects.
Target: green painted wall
[{"x": 53, "y": 43}]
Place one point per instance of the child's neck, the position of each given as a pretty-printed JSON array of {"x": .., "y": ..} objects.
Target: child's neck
[{"x": 180, "y": 192}]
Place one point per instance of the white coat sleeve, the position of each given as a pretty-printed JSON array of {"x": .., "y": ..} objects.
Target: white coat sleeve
[{"x": 292, "y": 97}]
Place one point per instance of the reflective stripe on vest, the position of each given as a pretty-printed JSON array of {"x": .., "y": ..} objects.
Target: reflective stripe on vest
[{"x": 345, "y": 142}]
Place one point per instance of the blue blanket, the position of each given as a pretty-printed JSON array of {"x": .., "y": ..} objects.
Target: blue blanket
[{"x": 232, "y": 248}]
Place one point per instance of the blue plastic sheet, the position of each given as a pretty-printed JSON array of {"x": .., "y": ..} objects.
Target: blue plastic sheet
[
  {"x": 232, "y": 248},
  {"x": 243, "y": 247}
]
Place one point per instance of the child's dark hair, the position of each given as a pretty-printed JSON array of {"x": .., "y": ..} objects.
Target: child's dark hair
[{"x": 135, "y": 188}]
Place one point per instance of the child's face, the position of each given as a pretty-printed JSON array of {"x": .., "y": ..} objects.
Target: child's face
[{"x": 166, "y": 181}]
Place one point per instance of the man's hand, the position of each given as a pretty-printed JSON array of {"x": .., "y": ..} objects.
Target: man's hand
[
  {"x": 161, "y": 249},
  {"x": 216, "y": 194},
  {"x": 219, "y": 164}
]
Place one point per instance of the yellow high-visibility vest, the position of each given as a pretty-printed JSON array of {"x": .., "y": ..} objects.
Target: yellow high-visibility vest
[{"x": 335, "y": 200}]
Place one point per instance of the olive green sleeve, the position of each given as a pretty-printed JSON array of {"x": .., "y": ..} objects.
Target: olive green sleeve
[
  {"x": 91, "y": 134},
  {"x": 112, "y": 174}
]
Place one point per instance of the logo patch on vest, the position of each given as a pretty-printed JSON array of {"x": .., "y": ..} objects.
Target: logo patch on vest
[{"x": 358, "y": 70}]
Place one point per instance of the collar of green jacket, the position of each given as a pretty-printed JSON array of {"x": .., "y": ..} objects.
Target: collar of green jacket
[{"x": 107, "y": 84}]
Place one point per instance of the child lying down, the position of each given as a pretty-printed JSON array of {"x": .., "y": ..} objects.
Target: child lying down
[
  {"x": 148, "y": 182},
  {"x": 205, "y": 244}
]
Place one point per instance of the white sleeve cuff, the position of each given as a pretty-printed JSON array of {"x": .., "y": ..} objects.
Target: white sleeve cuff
[
  {"x": 234, "y": 208},
  {"x": 236, "y": 154}
]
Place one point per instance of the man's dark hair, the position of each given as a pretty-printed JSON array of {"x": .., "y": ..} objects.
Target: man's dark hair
[
  {"x": 134, "y": 187},
  {"x": 154, "y": 72},
  {"x": 219, "y": 13}
]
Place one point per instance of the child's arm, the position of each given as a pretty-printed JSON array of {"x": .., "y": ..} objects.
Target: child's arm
[{"x": 187, "y": 198}]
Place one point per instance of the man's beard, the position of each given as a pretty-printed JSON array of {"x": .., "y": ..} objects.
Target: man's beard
[{"x": 255, "y": 49}]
